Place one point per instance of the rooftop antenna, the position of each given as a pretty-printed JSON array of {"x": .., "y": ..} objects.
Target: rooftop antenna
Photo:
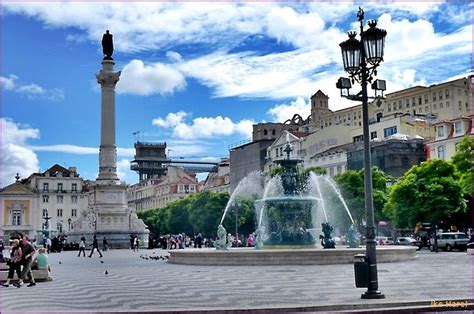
[{"x": 137, "y": 136}]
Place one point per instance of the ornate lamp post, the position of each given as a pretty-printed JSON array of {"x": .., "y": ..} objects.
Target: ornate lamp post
[
  {"x": 46, "y": 222},
  {"x": 361, "y": 58}
]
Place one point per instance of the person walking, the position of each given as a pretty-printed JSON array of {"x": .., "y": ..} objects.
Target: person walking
[
  {"x": 27, "y": 261},
  {"x": 105, "y": 245},
  {"x": 95, "y": 246},
  {"x": 14, "y": 263},
  {"x": 82, "y": 248}
]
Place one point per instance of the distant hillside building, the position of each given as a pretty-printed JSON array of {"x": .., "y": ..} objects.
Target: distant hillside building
[
  {"x": 251, "y": 156},
  {"x": 448, "y": 134},
  {"x": 219, "y": 179},
  {"x": 157, "y": 192}
]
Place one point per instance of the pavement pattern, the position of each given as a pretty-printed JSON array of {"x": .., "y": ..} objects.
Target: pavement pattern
[{"x": 123, "y": 281}]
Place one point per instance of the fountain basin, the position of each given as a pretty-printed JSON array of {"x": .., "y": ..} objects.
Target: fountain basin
[{"x": 287, "y": 256}]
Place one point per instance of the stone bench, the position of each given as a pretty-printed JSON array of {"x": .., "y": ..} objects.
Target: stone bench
[{"x": 40, "y": 275}]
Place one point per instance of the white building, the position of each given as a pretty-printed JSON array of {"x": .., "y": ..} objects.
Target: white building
[
  {"x": 58, "y": 193},
  {"x": 219, "y": 180},
  {"x": 448, "y": 134},
  {"x": 156, "y": 193}
]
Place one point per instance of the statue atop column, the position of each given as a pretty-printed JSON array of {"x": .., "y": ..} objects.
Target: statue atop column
[{"x": 107, "y": 45}]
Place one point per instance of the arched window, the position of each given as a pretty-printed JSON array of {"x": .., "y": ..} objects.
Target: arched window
[
  {"x": 265, "y": 132},
  {"x": 16, "y": 214},
  {"x": 273, "y": 132}
]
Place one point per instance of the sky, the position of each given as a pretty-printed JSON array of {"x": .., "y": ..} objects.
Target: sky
[{"x": 196, "y": 75}]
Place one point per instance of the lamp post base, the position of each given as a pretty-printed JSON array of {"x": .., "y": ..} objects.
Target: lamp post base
[{"x": 373, "y": 295}]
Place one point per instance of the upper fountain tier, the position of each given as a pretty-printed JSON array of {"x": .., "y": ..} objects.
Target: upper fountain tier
[{"x": 290, "y": 170}]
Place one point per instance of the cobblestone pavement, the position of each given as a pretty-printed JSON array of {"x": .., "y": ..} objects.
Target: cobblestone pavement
[{"x": 136, "y": 284}]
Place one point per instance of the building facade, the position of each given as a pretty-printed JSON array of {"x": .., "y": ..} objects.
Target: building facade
[
  {"x": 448, "y": 134},
  {"x": 60, "y": 195},
  {"x": 156, "y": 193},
  {"x": 219, "y": 180}
]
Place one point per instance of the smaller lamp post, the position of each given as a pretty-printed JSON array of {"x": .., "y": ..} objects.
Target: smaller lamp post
[{"x": 46, "y": 223}]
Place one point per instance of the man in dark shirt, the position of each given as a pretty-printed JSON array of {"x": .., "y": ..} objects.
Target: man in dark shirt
[
  {"x": 27, "y": 260},
  {"x": 95, "y": 246}
]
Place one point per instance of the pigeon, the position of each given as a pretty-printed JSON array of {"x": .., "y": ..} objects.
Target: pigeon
[
  {"x": 106, "y": 272},
  {"x": 60, "y": 262},
  {"x": 167, "y": 257},
  {"x": 154, "y": 252},
  {"x": 101, "y": 262}
]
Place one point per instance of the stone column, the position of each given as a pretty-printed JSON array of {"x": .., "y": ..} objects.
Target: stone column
[{"x": 107, "y": 79}]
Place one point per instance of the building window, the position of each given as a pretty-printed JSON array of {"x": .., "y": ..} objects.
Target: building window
[
  {"x": 407, "y": 103},
  {"x": 16, "y": 217},
  {"x": 60, "y": 227},
  {"x": 440, "y": 130},
  {"x": 339, "y": 169},
  {"x": 447, "y": 104},
  {"x": 180, "y": 188},
  {"x": 74, "y": 187},
  {"x": 358, "y": 138},
  {"x": 435, "y": 106},
  {"x": 389, "y": 107},
  {"x": 426, "y": 99},
  {"x": 426, "y": 108},
  {"x": 389, "y": 131},
  {"x": 413, "y": 102},
  {"x": 399, "y": 104},
  {"x": 446, "y": 93},
  {"x": 434, "y": 96},
  {"x": 60, "y": 199},
  {"x": 441, "y": 152},
  {"x": 420, "y": 109},
  {"x": 73, "y": 212},
  {"x": 45, "y": 187},
  {"x": 273, "y": 132},
  {"x": 373, "y": 135},
  {"x": 440, "y": 95},
  {"x": 45, "y": 198},
  {"x": 192, "y": 187},
  {"x": 60, "y": 212},
  {"x": 45, "y": 212},
  {"x": 73, "y": 199},
  {"x": 265, "y": 132},
  {"x": 60, "y": 187},
  {"x": 460, "y": 105},
  {"x": 457, "y": 127}
]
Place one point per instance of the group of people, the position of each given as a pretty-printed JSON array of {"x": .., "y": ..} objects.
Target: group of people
[
  {"x": 22, "y": 258},
  {"x": 95, "y": 246}
]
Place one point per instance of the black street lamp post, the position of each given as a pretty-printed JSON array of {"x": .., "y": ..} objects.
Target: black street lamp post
[
  {"x": 361, "y": 59},
  {"x": 46, "y": 223}
]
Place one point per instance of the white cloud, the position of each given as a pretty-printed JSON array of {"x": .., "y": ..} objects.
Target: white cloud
[
  {"x": 124, "y": 172},
  {"x": 174, "y": 56},
  {"x": 8, "y": 82},
  {"x": 314, "y": 28},
  {"x": 171, "y": 120},
  {"x": 281, "y": 113},
  {"x": 31, "y": 90},
  {"x": 79, "y": 150},
  {"x": 140, "y": 79},
  {"x": 203, "y": 127},
  {"x": 16, "y": 156}
]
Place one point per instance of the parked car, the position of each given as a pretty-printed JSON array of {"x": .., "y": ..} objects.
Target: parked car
[
  {"x": 408, "y": 241},
  {"x": 452, "y": 240},
  {"x": 384, "y": 240}
]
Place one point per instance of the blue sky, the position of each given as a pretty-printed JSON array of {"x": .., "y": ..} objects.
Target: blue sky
[{"x": 196, "y": 75}]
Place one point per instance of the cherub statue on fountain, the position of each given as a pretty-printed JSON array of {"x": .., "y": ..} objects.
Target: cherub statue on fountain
[
  {"x": 353, "y": 237},
  {"x": 326, "y": 241},
  {"x": 221, "y": 242}
]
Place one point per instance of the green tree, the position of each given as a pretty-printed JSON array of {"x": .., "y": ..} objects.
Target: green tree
[
  {"x": 428, "y": 192},
  {"x": 462, "y": 161},
  {"x": 206, "y": 211},
  {"x": 351, "y": 184}
]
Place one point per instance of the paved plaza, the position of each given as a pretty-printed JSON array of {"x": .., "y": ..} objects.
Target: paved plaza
[{"x": 133, "y": 284}]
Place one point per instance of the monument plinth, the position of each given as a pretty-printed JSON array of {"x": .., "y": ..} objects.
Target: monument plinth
[{"x": 108, "y": 214}]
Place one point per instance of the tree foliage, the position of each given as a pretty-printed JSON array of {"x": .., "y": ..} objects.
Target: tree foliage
[
  {"x": 351, "y": 184},
  {"x": 428, "y": 192},
  {"x": 200, "y": 212},
  {"x": 462, "y": 161}
]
